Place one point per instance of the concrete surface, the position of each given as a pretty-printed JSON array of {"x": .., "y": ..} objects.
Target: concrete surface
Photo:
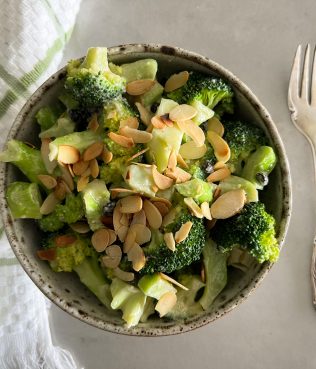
[{"x": 256, "y": 40}]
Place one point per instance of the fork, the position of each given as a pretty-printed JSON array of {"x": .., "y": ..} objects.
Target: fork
[{"x": 302, "y": 105}]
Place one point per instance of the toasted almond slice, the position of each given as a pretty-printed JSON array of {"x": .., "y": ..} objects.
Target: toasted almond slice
[
  {"x": 138, "y": 154},
  {"x": 136, "y": 135},
  {"x": 178, "y": 174},
  {"x": 122, "y": 232},
  {"x": 100, "y": 239},
  {"x": 220, "y": 146},
  {"x": 217, "y": 193},
  {"x": 117, "y": 216},
  {"x": 106, "y": 156},
  {"x": 49, "y": 165},
  {"x": 137, "y": 257},
  {"x": 112, "y": 236},
  {"x": 176, "y": 81},
  {"x": 129, "y": 240},
  {"x": 139, "y": 218},
  {"x": 169, "y": 218},
  {"x": 172, "y": 161},
  {"x": 131, "y": 122},
  {"x": 219, "y": 165},
  {"x": 94, "y": 167},
  {"x": 191, "y": 151},
  {"x": 82, "y": 183},
  {"x": 86, "y": 173},
  {"x": 116, "y": 191},
  {"x": 80, "y": 167},
  {"x": 124, "y": 276},
  {"x": 163, "y": 208},
  {"x": 93, "y": 124},
  {"x": 80, "y": 227},
  {"x": 131, "y": 204},
  {"x": 183, "y": 232},
  {"x": 153, "y": 215},
  {"x": 93, "y": 151},
  {"x": 71, "y": 171},
  {"x": 139, "y": 87},
  {"x": 65, "y": 240},
  {"x": 61, "y": 190},
  {"x": 169, "y": 240},
  {"x": 182, "y": 112},
  {"x": 218, "y": 175},
  {"x": 205, "y": 208},
  {"x": 173, "y": 281},
  {"x": 193, "y": 206},
  {"x": 228, "y": 204},
  {"x": 160, "y": 180},
  {"x": 111, "y": 262},
  {"x": 157, "y": 122},
  {"x": 66, "y": 176},
  {"x": 121, "y": 140},
  {"x": 216, "y": 126},
  {"x": 142, "y": 233},
  {"x": 49, "y": 204},
  {"x": 163, "y": 200},
  {"x": 166, "y": 303},
  {"x": 193, "y": 131},
  {"x": 145, "y": 114},
  {"x": 114, "y": 251},
  {"x": 165, "y": 118},
  {"x": 125, "y": 219},
  {"x": 150, "y": 128},
  {"x": 68, "y": 154},
  {"x": 48, "y": 181},
  {"x": 181, "y": 162}
]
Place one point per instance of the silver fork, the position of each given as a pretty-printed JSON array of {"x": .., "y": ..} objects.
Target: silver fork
[{"x": 302, "y": 105}]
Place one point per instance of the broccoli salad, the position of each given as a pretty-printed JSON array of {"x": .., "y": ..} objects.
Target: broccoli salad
[{"x": 148, "y": 189}]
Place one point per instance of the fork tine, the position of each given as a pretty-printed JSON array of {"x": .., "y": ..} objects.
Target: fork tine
[
  {"x": 305, "y": 77},
  {"x": 295, "y": 77},
  {"x": 313, "y": 87}
]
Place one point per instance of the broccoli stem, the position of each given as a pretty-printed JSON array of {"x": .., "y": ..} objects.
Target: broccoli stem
[{"x": 96, "y": 59}]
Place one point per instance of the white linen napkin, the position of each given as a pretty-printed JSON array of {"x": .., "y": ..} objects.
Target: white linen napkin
[{"x": 33, "y": 34}]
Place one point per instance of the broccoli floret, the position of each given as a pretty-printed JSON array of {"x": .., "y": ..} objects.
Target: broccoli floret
[
  {"x": 91, "y": 82},
  {"x": 199, "y": 190},
  {"x": 242, "y": 138},
  {"x": 115, "y": 111},
  {"x": 50, "y": 223},
  {"x": 210, "y": 91},
  {"x": 252, "y": 229},
  {"x": 161, "y": 259},
  {"x": 118, "y": 150},
  {"x": 201, "y": 168},
  {"x": 114, "y": 170}
]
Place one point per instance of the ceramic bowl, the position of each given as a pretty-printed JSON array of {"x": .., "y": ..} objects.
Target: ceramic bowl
[{"x": 64, "y": 289}]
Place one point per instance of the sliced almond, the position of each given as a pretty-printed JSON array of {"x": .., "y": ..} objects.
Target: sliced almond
[
  {"x": 86, "y": 173},
  {"x": 93, "y": 151},
  {"x": 220, "y": 146},
  {"x": 193, "y": 131},
  {"x": 183, "y": 232},
  {"x": 66, "y": 176},
  {"x": 82, "y": 183},
  {"x": 157, "y": 122},
  {"x": 228, "y": 204},
  {"x": 137, "y": 257},
  {"x": 123, "y": 276},
  {"x": 176, "y": 81},
  {"x": 163, "y": 200},
  {"x": 191, "y": 151},
  {"x": 48, "y": 181},
  {"x": 173, "y": 281},
  {"x": 125, "y": 219},
  {"x": 182, "y": 112},
  {"x": 139, "y": 87},
  {"x": 121, "y": 140},
  {"x": 131, "y": 204},
  {"x": 163, "y": 208},
  {"x": 68, "y": 154},
  {"x": 193, "y": 206},
  {"x": 216, "y": 126},
  {"x": 217, "y": 193},
  {"x": 150, "y": 128},
  {"x": 80, "y": 167},
  {"x": 165, "y": 118},
  {"x": 106, "y": 156},
  {"x": 136, "y": 135},
  {"x": 206, "y": 211},
  {"x": 172, "y": 161},
  {"x": 71, "y": 171},
  {"x": 100, "y": 239},
  {"x": 93, "y": 124},
  {"x": 153, "y": 215},
  {"x": 219, "y": 165},
  {"x": 117, "y": 217},
  {"x": 181, "y": 162},
  {"x": 142, "y": 233},
  {"x": 110, "y": 261},
  {"x": 166, "y": 303},
  {"x": 122, "y": 232},
  {"x": 49, "y": 204},
  {"x": 114, "y": 251},
  {"x": 178, "y": 174},
  {"x": 49, "y": 165},
  {"x": 138, "y": 154},
  {"x": 129, "y": 240},
  {"x": 139, "y": 218},
  {"x": 61, "y": 190},
  {"x": 112, "y": 236},
  {"x": 162, "y": 182},
  {"x": 64, "y": 240},
  {"x": 116, "y": 191},
  {"x": 145, "y": 114},
  {"x": 80, "y": 227},
  {"x": 94, "y": 168},
  {"x": 169, "y": 218},
  {"x": 131, "y": 122},
  {"x": 169, "y": 240},
  {"x": 218, "y": 175}
]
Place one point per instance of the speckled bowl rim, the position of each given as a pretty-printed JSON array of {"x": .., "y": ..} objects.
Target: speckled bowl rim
[{"x": 177, "y": 327}]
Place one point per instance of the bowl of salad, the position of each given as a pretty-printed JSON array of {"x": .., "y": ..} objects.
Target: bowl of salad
[{"x": 145, "y": 189}]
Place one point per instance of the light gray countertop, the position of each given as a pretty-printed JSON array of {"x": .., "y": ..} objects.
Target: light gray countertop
[{"x": 256, "y": 40}]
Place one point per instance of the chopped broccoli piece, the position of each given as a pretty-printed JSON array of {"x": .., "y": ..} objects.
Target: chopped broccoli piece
[
  {"x": 114, "y": 111},
  {"x": 24, "y": 200},
  {"x": 91, "y": 82},
  {"x": 201, "y": 168},
  {"x": 197, "y": 189},
  {"x": 50, "y": 223},
  {"x": 113, "y": 171},
  {"x": 165, "y": 106},
  {"x": 27, "y": 159},
  {"x": 140, "y": 178},
  {"x": 152, "y": 96},
  {"x": 47, "y": 116},
  {"x": 153, "y": 285},
  {"x": 140, "y": 69},
  {"x": 118, "y": 150},
  {"x": 63, "y": 126},
  {"x": 252, "y": 229},
  {"x": 233, "y": 183},
  {"x": 161, "y": 259}
]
